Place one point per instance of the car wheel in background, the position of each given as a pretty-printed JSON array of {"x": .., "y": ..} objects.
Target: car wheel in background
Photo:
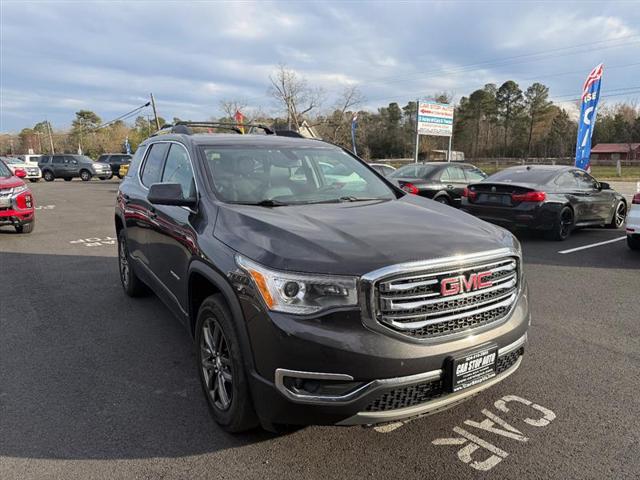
[
  {"x": 85, "y": 175},
  {"x": 442, "y": 199},
  {"x": 131, "y": 283},
  {"x": 26, "y": 227},
  {"x": 619, "y": 215},
  {"x": 563, "y": 225},
  {"x": 34, "y": 180},
  {"x": 221, "y": 368},
  {"x": 103, "y": 178},
  {"x": 633, "y": 241},
  {"x": 48, "y": 176},
  {"x": 67, "y": 179}
]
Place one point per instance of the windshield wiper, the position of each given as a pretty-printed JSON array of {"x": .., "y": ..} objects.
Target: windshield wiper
[
  {"x": 350, "y": 198},
  {"x": 264, "y": 203}
]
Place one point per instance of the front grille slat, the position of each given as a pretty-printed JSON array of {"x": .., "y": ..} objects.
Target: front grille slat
[{"x": 417, "y": 304}]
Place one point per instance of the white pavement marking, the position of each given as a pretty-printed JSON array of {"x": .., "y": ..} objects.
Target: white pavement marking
[{"x": 577, "y": 249}]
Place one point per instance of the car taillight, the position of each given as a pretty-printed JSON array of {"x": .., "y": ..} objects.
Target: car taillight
[
  {"x": 636, "y": 199},
  {"x": 529, "y": 197},
  {"x": 24, "y": 201},
  {"x": 470, "y": 194},
  {"x": 410, "y": 188}
]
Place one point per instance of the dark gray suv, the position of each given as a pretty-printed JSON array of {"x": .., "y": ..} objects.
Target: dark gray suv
[
  {"x": 317, "y": 295},
  {"x": 69, "y": 167}
]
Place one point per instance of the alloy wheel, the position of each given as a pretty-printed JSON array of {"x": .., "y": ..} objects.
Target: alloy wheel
[
  {"x": 215, "y": 359},
  {"x": 123, "y": 263},
  {"x": 566, "y": 222},
  {"x": 621, "y": 214}
]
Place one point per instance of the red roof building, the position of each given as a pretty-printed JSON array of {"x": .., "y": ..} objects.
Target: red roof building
[{"x": 616, "y": 151}]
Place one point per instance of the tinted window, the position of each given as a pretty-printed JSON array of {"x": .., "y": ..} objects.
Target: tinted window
[
  {"x": 567, "y": 180},
  {"x": 177, "y": 169},
  {"x": 524, "y": 175},
  {"x": 474, "y": 174},
  {"x": 103, "y": 158},
  {"x": 152, "y": 168},
  {"x": 416, "y": 171},
  {"x": 452, "y": 174},
  {"x": 585, "y": 180},
  {"x": 57, "y": 160},
  {"x": 135, "y": 161},
  {"x": 44, "y": 159}
]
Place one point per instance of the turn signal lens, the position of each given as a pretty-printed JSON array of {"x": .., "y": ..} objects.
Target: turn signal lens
[
  {"x": 410, "y": 188},
  {"x": 529, "y": 197},
  {"x": 636, "y": 199},
  {"x": 470, "y": 194},
  {"x": 261, "y": 283}
]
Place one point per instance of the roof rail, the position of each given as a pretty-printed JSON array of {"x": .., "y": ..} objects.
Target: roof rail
[{"x": 184, "y": 127}]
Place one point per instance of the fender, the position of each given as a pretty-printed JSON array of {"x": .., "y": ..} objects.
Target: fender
[{"x": 225, "y": 288}]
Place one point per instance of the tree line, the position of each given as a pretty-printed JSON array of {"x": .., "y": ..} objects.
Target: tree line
[{"x": 491, "y": 122}]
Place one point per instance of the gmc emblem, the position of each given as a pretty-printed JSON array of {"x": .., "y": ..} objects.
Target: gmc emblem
[{"x": 461, "y": 284}]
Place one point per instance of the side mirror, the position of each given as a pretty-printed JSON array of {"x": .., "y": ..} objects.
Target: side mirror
[
  {"x": 20, "y": 173},
  {"x": 604, "y": 186},
  {"x": 169, "y": 194}
]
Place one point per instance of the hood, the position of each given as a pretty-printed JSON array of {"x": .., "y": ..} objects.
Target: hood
[
  {"x": 354, "y": 238},
  {"x": 10, "y": 182}
]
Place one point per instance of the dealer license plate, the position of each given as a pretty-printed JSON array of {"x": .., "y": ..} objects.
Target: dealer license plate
[{"x": 472, "y": 368}]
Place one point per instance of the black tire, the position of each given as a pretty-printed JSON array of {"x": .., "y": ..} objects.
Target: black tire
[
  {"x": 102, "y": 178},
  {"x": 67, "y": 179},
  {"x": 131, "y": 283},
  {"x": 219, "y": 359},
  {"x": 619, "y": 216},
  {"x": 563, "y": 225},
  {"x": 34, "y": 180},
  {"x": 443, "y": 200},
  {"x": 119, "y": 176},
  {"x": 26, "y": 227},
  {"x": 48, "y": 176},
  {"x": 85, "y": 175},
  {"x": 633, "y": 241}
]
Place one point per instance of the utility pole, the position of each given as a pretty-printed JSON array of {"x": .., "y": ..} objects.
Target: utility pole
[
  {"x": 148, "y": 126},
  {"x": 155, "y": 113},
  {"x": 53, "y": 150}
]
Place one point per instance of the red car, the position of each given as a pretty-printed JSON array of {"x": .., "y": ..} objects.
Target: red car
[{"x": 16, "y": 201}]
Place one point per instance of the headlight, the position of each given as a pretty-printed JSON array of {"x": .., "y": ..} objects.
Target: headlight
[
  {"x": 20, "y": 189},
  {"x": 300, "y": 293}
]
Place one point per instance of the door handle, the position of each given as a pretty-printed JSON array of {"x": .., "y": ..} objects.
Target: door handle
[
  {"x": 152, "y": 213},
  {"x": 449, "y": 187}
]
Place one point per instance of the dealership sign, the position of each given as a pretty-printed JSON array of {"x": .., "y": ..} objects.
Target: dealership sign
[{"x": 435, "y": 119}]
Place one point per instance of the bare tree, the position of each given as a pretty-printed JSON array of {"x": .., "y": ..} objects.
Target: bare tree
[
  {"x": 350, "y": 97},
  {"x": 294, "y": 95},
  {"x": 231, "y": 106}
]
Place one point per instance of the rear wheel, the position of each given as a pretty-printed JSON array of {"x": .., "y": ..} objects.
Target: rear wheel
[
  {"x": 633, "y": 241},
  {"x": 221, "y": 367},
  {"x": 443, "y": 200},
  {"x": 48, "y": 176},
  {"x": 563, "y": 225},
  {"x": 619, "y": 215},
  {"x": 34, "y": 180},
  {"x": 26, "y": 227},
  {"x": 85, "y": 175},
  {"x": 131, "y": 283}
]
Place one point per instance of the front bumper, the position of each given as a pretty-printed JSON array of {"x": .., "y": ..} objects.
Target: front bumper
[
  {"x": 370, "y": 377},
  {"x": 103, "y": 173},
  {"x": 16, "y": 217},
  {"x": 633, "y": 221}
]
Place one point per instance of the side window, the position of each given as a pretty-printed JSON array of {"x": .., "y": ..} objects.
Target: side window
[
  {"x": 456, "y": 173},
  {"x": 136, "y": 160},
  {"x": 567, "y": 180},
  {"x": 474, "y": 175},
  {"x": 152, "y": 168},
  {"x": 585, "y": 181},
  {"x": 177, "y": 169},
  {"x": 445, "y": 176},
  {"x": 57, "y": 160}
]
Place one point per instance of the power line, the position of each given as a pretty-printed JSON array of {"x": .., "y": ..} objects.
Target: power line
[{"x": 123, "y": 116}]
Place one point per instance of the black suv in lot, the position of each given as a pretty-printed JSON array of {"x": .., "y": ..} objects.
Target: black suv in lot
[
  {"x": 69, "y": 167},
  {"x": 316, "y": 298},
  {"x": 115, "y": 161}
]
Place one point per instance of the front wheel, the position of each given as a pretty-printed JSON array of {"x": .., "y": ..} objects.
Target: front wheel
[
  {"x": 633, "y": 242},
  {"x": 48, "y": 176},
  {"x": 85, "y": 175},
  {"x": 26, "y": 227},
  {"x": 563, "y": 225},
  {"x": 619, "y": 215},
  {"x": 221, "y": 367},
  {"x": 443, "y": 200},
  {"x": 34, "y": 180}
]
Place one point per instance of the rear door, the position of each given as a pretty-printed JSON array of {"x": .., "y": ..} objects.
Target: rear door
[
  {"x": 58, "y": 165},
  {"x": 455, "y": 181}
]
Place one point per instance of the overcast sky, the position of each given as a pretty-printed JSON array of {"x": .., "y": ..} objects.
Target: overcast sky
[{"x": 60, "y": 57}]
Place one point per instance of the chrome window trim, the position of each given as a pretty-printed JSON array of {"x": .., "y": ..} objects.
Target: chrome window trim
[{"x": 368, "y": 281}]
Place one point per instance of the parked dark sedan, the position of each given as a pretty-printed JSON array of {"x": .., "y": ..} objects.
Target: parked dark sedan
[
  {"x": 441, "y": 181},
  {"x": 555, "y": 199}
]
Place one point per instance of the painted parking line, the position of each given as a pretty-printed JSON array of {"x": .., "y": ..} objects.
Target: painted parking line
[{"x": 592, "y": 245}]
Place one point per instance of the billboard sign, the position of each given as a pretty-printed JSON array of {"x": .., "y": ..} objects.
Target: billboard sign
[{"x": 435, "y": 119}]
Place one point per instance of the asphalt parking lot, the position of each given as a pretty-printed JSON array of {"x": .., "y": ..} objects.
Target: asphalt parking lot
[{"x": 94, "y": 384}]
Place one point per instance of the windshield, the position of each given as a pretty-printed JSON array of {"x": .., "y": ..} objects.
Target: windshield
[
  {"x": 414, "y": 171},
  {"x": 255, "y": 175},
  {"x": 523, "y": 175},
  {"x": 4, "y": 170},
  {"x": 10, "y": 160}
]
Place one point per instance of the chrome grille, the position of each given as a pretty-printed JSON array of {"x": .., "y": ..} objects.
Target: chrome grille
[{"x": 413, "y": 303}]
